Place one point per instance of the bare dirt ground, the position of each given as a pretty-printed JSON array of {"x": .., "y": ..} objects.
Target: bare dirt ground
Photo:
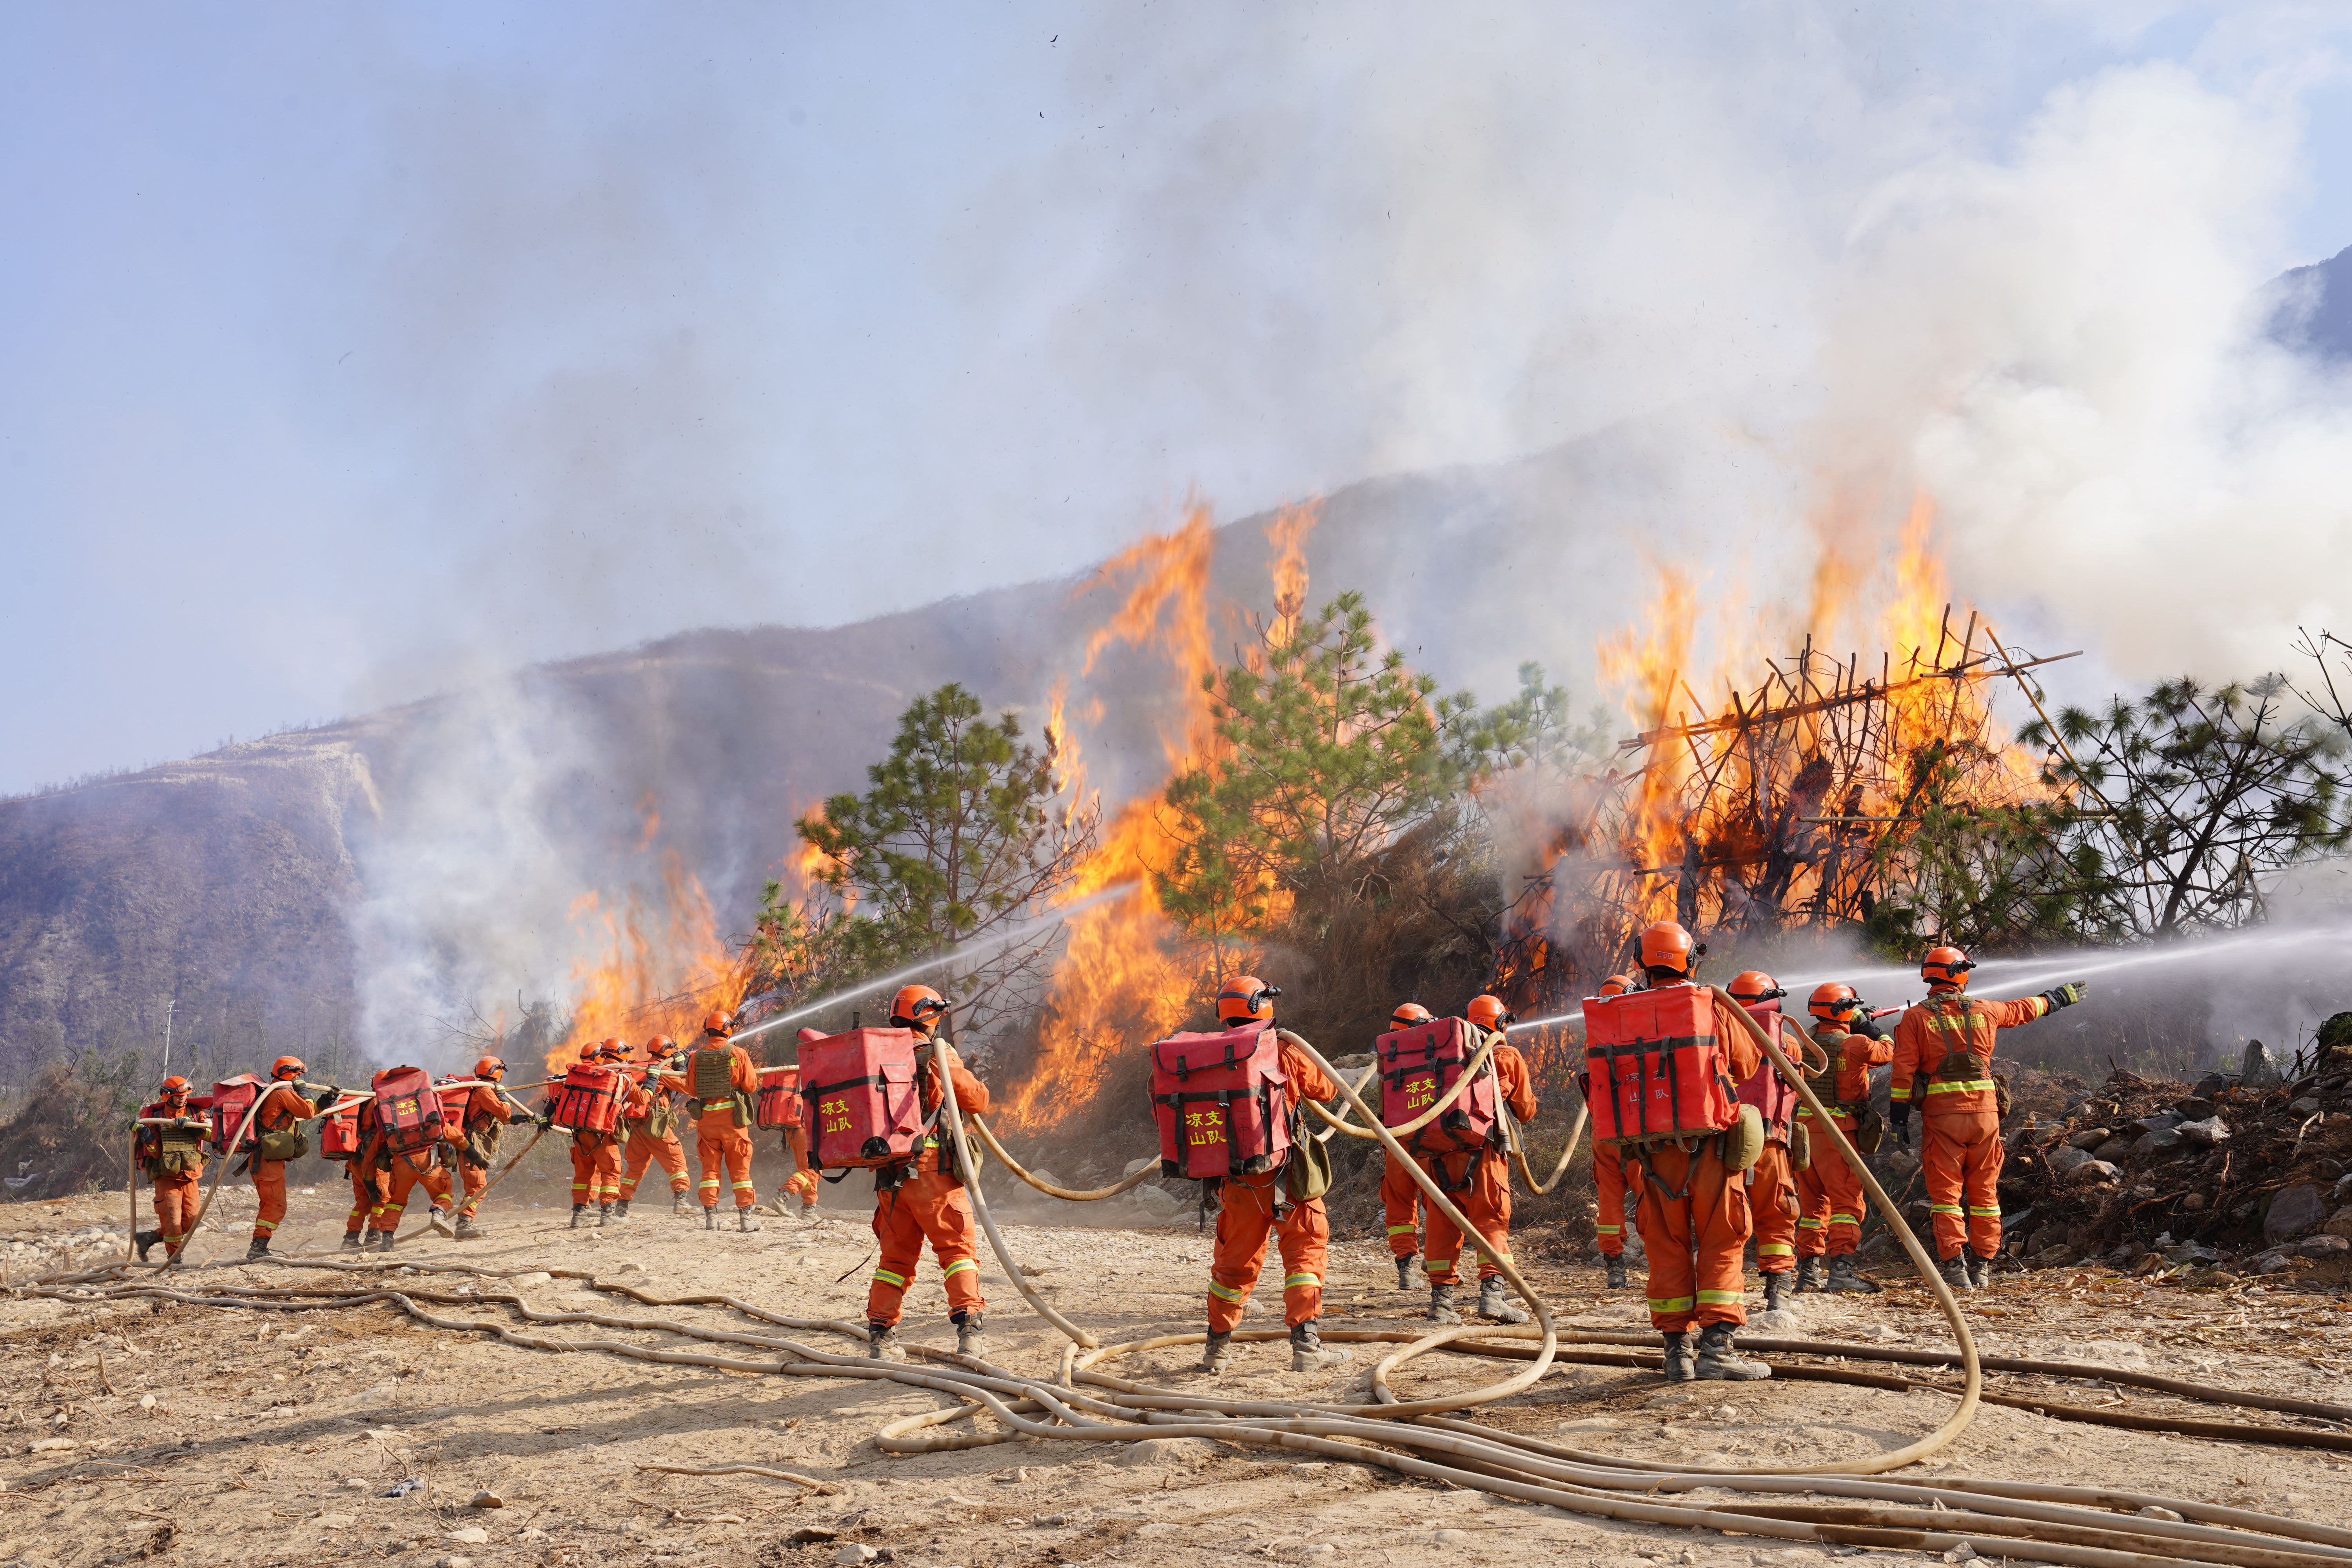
[{"x": 196, "y": 1435}]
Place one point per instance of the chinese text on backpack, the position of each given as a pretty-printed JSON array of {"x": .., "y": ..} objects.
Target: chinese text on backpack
[
  {"x": 1417, "y": 1067},
  {"x": 860, "y": 1096},
  {"x": 1220, "y": 1102},
  {"x": 588, "y": 1100},
  {"x": 779, "y": 1097},
  {"x": 232, "y": 1099},
  {"x": 1654, "y": 1068},
  {"x": 406, "y": 1109}
]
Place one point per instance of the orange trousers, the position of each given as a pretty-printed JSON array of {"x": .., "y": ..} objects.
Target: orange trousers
[
  {"x": 270, "y": 1187},
  {"x": 1486, "y": 1202},
  {"x": 1828, "y": 1202},
  {"x": 1244, "y": 1222},
  {"x": 474, "y": 1179},
  {"x": 1400, "y": 1200},
  {"x": 1609, "y": 1192},
  {"x": 645, "y": 1151},
  {"x": 1961, "y": 1157},
  {"x": 409, "y": 1172},
  {"x": 719, "y": 1141},
  {"x": 1696, "y": 1242},
  {"x": 595, "y": 1168},
  {"x": 177, "y": 1199},
  {"x": 803, "y": 1181},
  {"x": 368, "y": 1191},
  {"x": 1772, "y": 1201},
  {"x": 927, "y": 1206}
]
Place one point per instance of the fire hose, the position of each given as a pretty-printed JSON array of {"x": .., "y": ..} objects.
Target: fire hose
[{"x": 2008, "y": 1518}]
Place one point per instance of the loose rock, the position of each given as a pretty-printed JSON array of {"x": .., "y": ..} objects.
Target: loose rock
[{"x": 2292, "y": 1211}]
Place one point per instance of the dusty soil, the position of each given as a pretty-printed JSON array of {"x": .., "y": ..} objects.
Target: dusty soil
[{"x": 276, "y": 1438}]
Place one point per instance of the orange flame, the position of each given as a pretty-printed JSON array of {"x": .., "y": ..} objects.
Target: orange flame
[
  {"x": 1167, "y": 608},
  {"x": 654, "y": 972},
  {"x": 1288, "y": 533}
]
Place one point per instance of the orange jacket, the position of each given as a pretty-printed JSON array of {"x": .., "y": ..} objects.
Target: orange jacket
[
  {"x": 1962, "y": 1025},
  {"x": 1305, "y": 1078},
  {"x": 1513, "y": 1083},
  {"x": 971, "y": 1099},
  {"x": 281, "y": 1108},
  {"x": 1851, "y": 1058}
]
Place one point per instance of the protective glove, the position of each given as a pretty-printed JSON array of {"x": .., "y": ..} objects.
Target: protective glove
[
  {"x": 519, "y": 1116},
  {"x": 2065, "y": 996},
  {"x": 1902, "y": 1115},
  {"x": 322, "y": 1095}
]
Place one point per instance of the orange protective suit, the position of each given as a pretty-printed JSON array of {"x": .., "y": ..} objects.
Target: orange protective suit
[
  {"x": 929, "y": 1205},
  {"x": 280, "y": 1107},
  {"x": 595, "y": 1168},
  {"x": 369, "y": 1193},
  {"x": 1401, "y": 1202},
  {"x": 409, "y": 1172},
  {"x": 719, "y": 1141},
  {"x": 483, "y": 1106},
  {"x": 1773, "y": 1181},
  {"x": 1829, "y": 1193},
  {"x": 1697, "y": 1242},
  {"x": 802, "y": 1183},
  {"x": 1484, "y": 1179},
  {"x": 175, "y": 1173},
  {"x": 177, "y": 1200},
  {"x": 1943, "y": 1055},
  {"x": 1249, "y": 1216},
  {"x": 1609, "y": 1193},
  {"x": 643, "y": 1149}
]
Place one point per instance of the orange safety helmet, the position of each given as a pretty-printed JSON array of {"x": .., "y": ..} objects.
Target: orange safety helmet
[
  {"x": 659, "y": 1047},
  {"x": 720, "y": 1023},
  {"x": 610, "y": 1051},
  {"x": 1754, "y": 989},
  {"x": 1946, "y": 966},
  {"x": 286, "y": 1068},
  {"x": 1665, "y": 946},
  {"x": 1617, "y": 985},
  {"x": 1407, "y": 1015},
  {"x": 916, "y": 1006},
  {"x": 175, "y": 1087},
  {"x": 1487, "y": 1012},
  {"x": 1832, "y": 1000},
  {"x": 490, "y": 1068},
  {"x": 1246, "y": 998}
]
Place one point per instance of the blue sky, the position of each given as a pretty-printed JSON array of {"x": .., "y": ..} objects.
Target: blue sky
[{"x": 346, "y": 349}]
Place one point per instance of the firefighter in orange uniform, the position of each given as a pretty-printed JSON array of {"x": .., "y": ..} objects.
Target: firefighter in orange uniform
[
  {"x": 1609, "y": 1183},
  {"x": 173, "y": 1156},
  {"x": 802, "y": 1183},
  {"x": 1829, "y": 1193},
  {"x": 1772, "y": 1184},
  {"x": 1943, "y": 1063},
  {"x": 1480, "y": 1186},
  {"x": 923, "y": 1199},
  {"x": 719, "y": 1074},
  {"x": 1256, "y": 1206},
  {"x": 408, "y": 1171},
  {"x": 596, "y": 1156},
  {"x": 367, "y": 1182},
  {"x": 650, "y": 1125},
  {"x": 488, "y": 1113},
  {"x": 1399, "y": 1194},
  {"x": 281, "y": 1106},
  {"x": 1691, "y": 1206}
]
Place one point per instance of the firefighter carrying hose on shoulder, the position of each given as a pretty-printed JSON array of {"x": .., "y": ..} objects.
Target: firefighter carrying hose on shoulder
[
  {"x": 650, "y": 1121},
  {"x": 923, "y": 1199},
  {"x": 595, "y": 1156},
  {"x": 718, "y": 1074},
  {"x": 1257, "y": 1206},
  {"x": 1480, "y": 1184},
  {"x": 1609, "y": 1183},
  {"x": 171, "y": 1156},
  {"x": 1943, "y": 1063},
  {"x": 1772, "y": 1182},
  {"x": 1399, "y": 1194},
  {"x": 1829, "y": 1193},
  {"x": 488, "y": 1112},
  {"x": 274, "y": 1126}
]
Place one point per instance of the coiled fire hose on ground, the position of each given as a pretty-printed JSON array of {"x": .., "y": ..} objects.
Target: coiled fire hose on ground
[{"x": 2020, "y": 1521}]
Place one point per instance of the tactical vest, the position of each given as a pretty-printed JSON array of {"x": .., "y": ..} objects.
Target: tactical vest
[
  {"x": 712, "y": 1075},
  {"x": 177, "y": 1150}
]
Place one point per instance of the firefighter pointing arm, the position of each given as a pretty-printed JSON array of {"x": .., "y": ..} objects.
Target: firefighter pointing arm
[{"x": 923, "y": 1199}]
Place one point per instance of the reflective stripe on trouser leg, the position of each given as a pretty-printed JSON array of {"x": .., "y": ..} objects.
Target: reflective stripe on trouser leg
[
  {"x": 1695, "y": 1243},
  {"x": 1485, "y": 1201},
  {"x": 1400, "y": 1202}
]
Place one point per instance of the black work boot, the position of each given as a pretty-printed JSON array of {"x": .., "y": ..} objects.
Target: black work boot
[
  {"x": 368, "y": 1238},
  {"x": 1494, "y": 1305},
  {"x": 1844, "y": 1278},
  {"x": 678, "y": 1204},
  {"x": 1404, "y": 1272},
  {"x": 1681, "y": 1366},
  {"x": 971, "y": 1335},
  {"x": 383, "y": 1241},
  {"x": 882, "y": 1342},
  {"x": 604, "y": 1214},
  {"x": 621, "y": 1209},
  {"x": 1616, "y": 1266},
  {"x": 579, "y": 1215},
  {"x": 1307, "y": 1351},
  {"x": 143, "y": 1239},
  {"x": 1775, "y": 1292},
  {"x": 1956, "y": 1272},
  {"x": 743, "y": 1220},
  {"x": 350, "y": 1241},
  {"x": 1717, "y": 1358},
  {"x": 257, "y": 1247},
  {"x": 1812, "y": 1274},
  {"x": 1217, "y": 1352},
  {"x": 710, "y": 1217},
  {"x": 466, "y": 1228},
  {"x": 1441, "y": 1305},
  {"x": 1979, "y": 1271}
]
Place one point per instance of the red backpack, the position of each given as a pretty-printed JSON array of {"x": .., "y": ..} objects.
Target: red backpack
[
  {"x": 407, "y": 1111},
  {"x": 339, "y": 1134},
  {"x": 232, "y": 1099},
  {"x": 1417, "y": 1067},
  {"x": 588, "y": 1100},
  {"x": 860, "y": 1086},
  {"x": 779, "y": 1097},
  {"x": 1774, "y": 1098},
  {"x": 452, "y": 1105},
  {"x": 1220, "y": 1102},
  {"x": 1655, "y": 1069}
]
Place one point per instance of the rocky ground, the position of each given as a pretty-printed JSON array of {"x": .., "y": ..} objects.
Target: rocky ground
[{"x": 192, "y": 1435}]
